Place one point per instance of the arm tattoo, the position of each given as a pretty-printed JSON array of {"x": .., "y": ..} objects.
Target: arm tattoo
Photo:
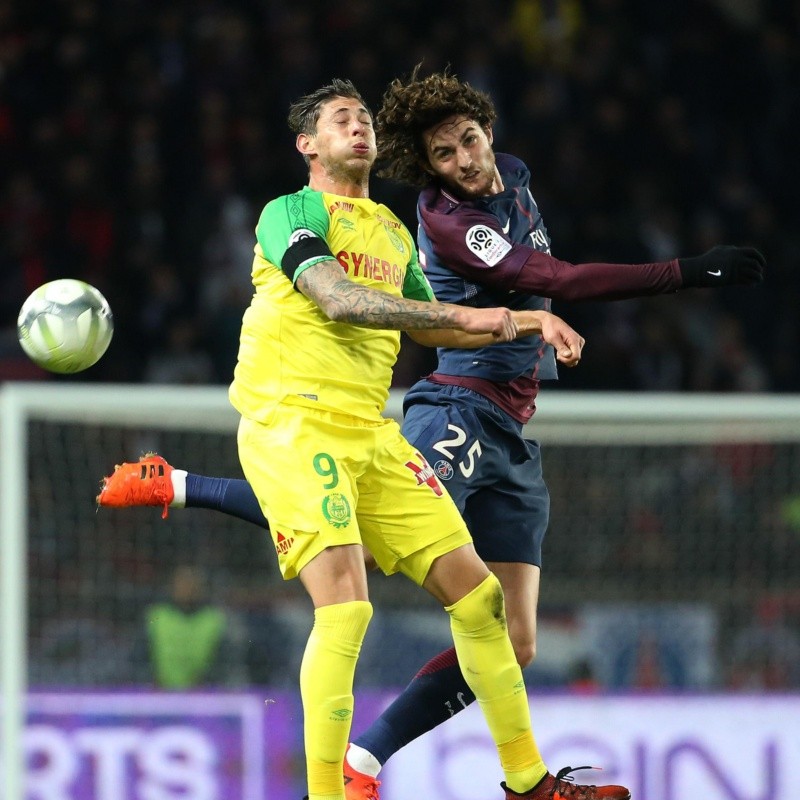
[{"x": 343, "y": 300}]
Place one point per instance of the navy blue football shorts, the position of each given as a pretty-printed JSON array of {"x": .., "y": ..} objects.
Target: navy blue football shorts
[{"x": 492, "y": 473}]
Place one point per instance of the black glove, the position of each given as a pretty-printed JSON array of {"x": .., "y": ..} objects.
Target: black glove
[{"x": 723, "y": 265}]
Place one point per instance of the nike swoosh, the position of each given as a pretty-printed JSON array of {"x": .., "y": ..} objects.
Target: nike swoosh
[
  {"x": 715, "y": 274},
  {"x": 506, "y": 226}
]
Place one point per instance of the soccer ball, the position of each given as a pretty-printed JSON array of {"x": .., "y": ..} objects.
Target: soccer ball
[{"x": 65, "y": 325}]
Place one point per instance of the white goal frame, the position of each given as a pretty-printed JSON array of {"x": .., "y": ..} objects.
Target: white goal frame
[{"x": 571, "y": 418}]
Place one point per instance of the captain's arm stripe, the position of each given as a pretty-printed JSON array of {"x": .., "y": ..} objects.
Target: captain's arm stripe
[{"x": 304, "y": 253}]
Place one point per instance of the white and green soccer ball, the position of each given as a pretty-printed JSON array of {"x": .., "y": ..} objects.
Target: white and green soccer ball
[{"x": 65, "y": 325}]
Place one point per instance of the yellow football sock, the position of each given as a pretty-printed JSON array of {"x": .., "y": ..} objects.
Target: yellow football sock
[
  {"x": 326, "y": 686},
  {"x": 486, "y": 657}
]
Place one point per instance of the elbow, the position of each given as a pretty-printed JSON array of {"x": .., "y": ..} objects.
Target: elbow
[{"x": 335, "y": 312}]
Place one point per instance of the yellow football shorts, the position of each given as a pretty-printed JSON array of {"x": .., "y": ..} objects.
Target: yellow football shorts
[{"x": 325, "y": 479}]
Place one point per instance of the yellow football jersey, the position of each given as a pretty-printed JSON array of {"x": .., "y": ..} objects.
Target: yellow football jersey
[{"x": 289, "y": 351}]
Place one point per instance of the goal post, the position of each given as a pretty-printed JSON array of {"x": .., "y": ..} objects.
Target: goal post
[
  {"x": 59, "y": 438},
  {"x": 13, "y": 605},
  {"x": 20, "y": 403}
]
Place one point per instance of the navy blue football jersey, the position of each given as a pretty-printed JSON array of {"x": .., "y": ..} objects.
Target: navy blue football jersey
[
  {"x": 468, "y": 254},
  {"x": 495, "y": 251}
]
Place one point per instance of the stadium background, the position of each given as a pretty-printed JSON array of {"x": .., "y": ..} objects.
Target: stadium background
[{"x": 139, "y": 141}]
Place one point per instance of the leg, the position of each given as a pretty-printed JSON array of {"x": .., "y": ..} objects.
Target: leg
[
  {"x": 415, "y": 529},
  {"x": 487, "y": 661},
  {"x": 337, "y": 584},
  {"x": 336, "y": 575},
  {"x": 474, "y": 599},
  {"x": 439, "y": 690},
  {"x": 506, "y": 509},
  {"x": 129, "y": 485},
  {"x": 514, "y": 752},
  {"x": 153, "y": 482},
  {"x": 421, "y": 533},
  {"x": 317, "y": 537},
  {"x": 231, "y": 496}
]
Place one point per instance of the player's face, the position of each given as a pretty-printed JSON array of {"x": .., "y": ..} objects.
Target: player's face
[
  {"x": 344, "y": 142},
  {"x": 460, "y": 155}
]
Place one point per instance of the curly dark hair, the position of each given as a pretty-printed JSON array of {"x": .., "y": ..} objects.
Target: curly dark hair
[{"x": 411, "y": 107}]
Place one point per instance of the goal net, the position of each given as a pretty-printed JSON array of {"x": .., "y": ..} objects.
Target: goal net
[{"x": 675, "y": 520}]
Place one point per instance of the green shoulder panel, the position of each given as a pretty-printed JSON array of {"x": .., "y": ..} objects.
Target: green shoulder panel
[
  {"x": 415, "y": 285},
  {"x": 282, "y": 217}
]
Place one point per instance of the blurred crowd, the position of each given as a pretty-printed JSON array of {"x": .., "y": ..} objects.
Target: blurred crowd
[{"x": 139, "y": 141}]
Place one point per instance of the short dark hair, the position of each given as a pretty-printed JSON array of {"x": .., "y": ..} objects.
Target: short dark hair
[
  {"x": 304, "y": 113},
  {"x": 412, "y": 107}
]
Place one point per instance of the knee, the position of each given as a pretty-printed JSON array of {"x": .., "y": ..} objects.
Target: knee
[{"x": 525, "y": 652}]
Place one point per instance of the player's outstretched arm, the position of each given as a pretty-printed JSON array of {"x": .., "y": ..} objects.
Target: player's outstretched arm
[
  {"x": 343, "y": 300},
  {"x": 721, "y": 266},
  {"x": 526, "y": 269},
  {"x": 450, "y": 337},
  {"x": 567, "y": 342}
]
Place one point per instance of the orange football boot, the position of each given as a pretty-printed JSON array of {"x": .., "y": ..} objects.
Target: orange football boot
[
  {"x": 562, "y": 787},
  {"x": 143, "y": 483}
]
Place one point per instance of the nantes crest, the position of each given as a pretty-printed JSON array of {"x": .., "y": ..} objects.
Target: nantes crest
[{"x": 336, "y": 509}]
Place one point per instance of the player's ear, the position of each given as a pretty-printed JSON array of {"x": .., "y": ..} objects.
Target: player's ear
[
  {"x": 305, "y": 144},
  {"x": 489, "y": 133},
  {"x": 426, "y": 165}
]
